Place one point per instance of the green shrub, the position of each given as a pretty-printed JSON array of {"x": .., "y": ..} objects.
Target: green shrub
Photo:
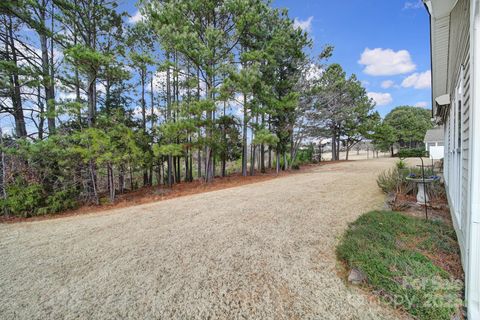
[
  {"x": 23, "y": 199},
  {"x": 391, "y": 180},
  {"x": 30, "y": 199},
  {"x": 394, "y": 180},
  {"x": 412, "y": 153},
  {"x": 305, "y": 155},
  {"x": 393, "y": 251},
  {"x": 400, "y": 164},
  {"x": 60, "y": 201}
]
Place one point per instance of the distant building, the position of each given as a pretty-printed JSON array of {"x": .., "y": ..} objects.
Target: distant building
[{"x": 434, "y": 143}]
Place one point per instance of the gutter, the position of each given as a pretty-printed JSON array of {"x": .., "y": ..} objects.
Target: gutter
[{"x": 428, "y": 5}]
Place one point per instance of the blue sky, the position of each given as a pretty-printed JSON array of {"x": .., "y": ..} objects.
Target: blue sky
[
  {"x": 390, "y": 38},
  {"x": 386, "y": 43}
]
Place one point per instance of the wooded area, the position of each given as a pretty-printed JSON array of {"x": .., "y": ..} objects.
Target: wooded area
[{"x": 102, "y": 104}]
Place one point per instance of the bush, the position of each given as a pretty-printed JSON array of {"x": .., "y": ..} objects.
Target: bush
[
  {"x": 30, "y": 199},
  {"x": 23, "y": 199},
  {"x": 394, "y": 252},
  {"x": 400, "y": 164},
  {"x": 391, "y": 180},
  {"x": 394, "y": 180},
  {"x": 305, "y": 155},
  {"x": 412, "y": 153},
  {"x": 60, "y": 201}
]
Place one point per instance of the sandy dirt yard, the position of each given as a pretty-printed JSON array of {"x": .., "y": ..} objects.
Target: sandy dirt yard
[{"x": 259, "y": 251}]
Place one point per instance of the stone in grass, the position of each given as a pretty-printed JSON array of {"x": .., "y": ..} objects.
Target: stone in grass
[{"x": 356, "y": 276}]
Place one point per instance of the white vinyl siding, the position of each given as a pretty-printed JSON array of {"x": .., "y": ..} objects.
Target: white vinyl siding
[
  {"x": 440, "y": 58},
  {"x": 466, "y": 142},
  {"x": 459, "y": 41},
  {"x": 458, "y": 75},
  {"x": 457, "y": 119}
]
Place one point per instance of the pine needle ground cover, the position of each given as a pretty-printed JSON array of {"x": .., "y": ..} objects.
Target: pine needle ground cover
[{"x": 409, "y": 263}]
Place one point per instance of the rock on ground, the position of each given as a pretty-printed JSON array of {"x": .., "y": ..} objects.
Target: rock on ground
[{"x": 356, "y": 276}]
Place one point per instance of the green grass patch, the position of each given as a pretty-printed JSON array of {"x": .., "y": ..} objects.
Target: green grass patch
[{"x": 395, "y": 252}]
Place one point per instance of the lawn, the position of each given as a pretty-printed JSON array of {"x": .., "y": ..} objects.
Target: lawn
[{"x": 410, "y": 263}]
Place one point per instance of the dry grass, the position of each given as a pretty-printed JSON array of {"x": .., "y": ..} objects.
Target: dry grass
[{"x": 260, "y": 251}]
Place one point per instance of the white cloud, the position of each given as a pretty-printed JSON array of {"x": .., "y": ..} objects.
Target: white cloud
[
  {"x": 62, "y": 95},
  {"x": 305, "y": 25},
  {"x": 421, "y": 104},
  {"x": 136, "y": 18},
  {"x": 365, "y": 83},
  {"x": 413, "y": 5},
  {"x": 380, "y": 98},
  {"x": 387, "y": 84},
  {"x": 313, "y": 72},
  {"x": 101, "y": 87},
  {"x": 422, "y": 80},
  {"x": 386, "y": 62}
]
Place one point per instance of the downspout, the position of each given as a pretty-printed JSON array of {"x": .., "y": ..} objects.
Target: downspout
[
  {"x": 473, "y": 232},
  {"x": 427, "y": 4}
]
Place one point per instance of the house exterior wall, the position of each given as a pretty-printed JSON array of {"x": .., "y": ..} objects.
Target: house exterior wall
[
  {"x": 472, "y": 268},
  {"x": 440, "y": 58},
  {"x": 462, "y": 131},
  {"x": 457, "y": 120}
]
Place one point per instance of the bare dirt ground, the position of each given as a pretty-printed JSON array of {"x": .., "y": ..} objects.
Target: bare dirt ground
[{"x": 258, "y": 251}]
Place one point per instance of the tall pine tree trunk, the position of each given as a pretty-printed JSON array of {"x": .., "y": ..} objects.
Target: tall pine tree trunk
[
  {"x": 338, "y": 148},
  {"x": 121, "y": 179},
  {"x": 51, "y": 108},
  {"x": 3, "y": 187},
  {"x": 143, "y": 75},
  {"x": 262, "y": 150},
  {"x": 244, "y": 136},
  {"x": 252, "y": 159},
  {"x": 176, "y": 94},
  {"x": 41, "y": 115},
  {"x": 225, "y": 144},
  {"x": 334, "y": 147},
  {"x": 93, "y": 181},
  {"x": 111, "y": 183},
  {"x": 152, "y": 125},
  {"x": 208, "y": 148},
  {"x": 91, "y": 99},
  {"x": 277, "y": 158},
  {"x": 269, "y": 147},
  {"x": 15, "y": 93},
  {"x": 199, "y": 164},
  {"x": 46, "y": 76},
  {"x": 169, "y": 115}
]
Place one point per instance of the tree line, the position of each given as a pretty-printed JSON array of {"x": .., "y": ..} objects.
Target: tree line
[
  {"x": 101, "y": 104},
  {"x": 403, "y": 127}
]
